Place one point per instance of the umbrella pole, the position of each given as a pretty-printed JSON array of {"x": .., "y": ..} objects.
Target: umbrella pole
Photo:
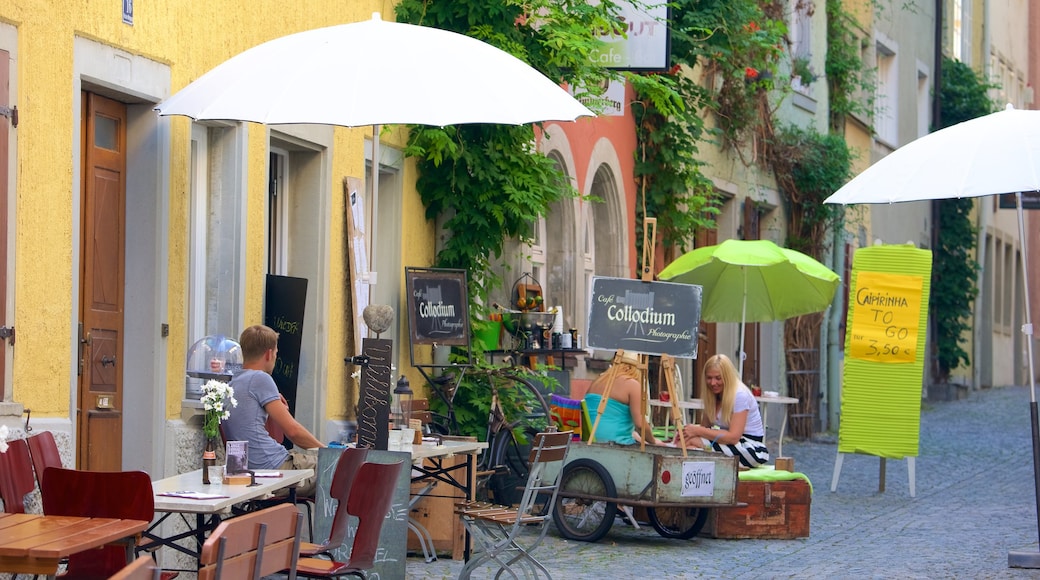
[
  {"x": 1029, "y": 559},
  {"x": 743, "y": 318},
  {"x": 373, "y": 227}
]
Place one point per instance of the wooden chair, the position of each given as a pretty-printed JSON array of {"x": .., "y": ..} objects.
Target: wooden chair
[
  {"x": 259, "y": 504},
  {"x": 98, "y": 494},
  {"x": 139, "y": 569},
  {"x": 370, "y": 497},
  {"x": 44, "y": 452},
  {"x": 496, "y": 530},
  {"x": 342, "y": 481},
  {"x": 16, "y": 476},
  {"x": 257, "y": 544}
]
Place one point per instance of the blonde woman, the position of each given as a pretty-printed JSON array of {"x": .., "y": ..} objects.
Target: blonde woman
[
  {"x": 623, "y": 418},
  {"x": 730, "y": 422}
]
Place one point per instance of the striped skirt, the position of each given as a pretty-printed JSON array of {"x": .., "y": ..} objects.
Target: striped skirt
[{"x": 750, "y": 450}]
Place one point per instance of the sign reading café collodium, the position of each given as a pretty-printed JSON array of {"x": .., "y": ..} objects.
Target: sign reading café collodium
[{"x": 646, "y": 317}]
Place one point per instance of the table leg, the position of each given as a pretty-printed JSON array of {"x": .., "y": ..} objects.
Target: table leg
[{"x": 470, "y": 457}]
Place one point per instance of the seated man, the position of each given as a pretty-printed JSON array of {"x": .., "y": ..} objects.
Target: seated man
[{"x": 260, "y": 403}]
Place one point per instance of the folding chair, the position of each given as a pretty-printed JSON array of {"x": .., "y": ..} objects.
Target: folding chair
[
  {"x": 257, "y": 544},
  {"x": 342, "y": 481},
  {"x": 16, "y": 477},
  {"x": 496, "y": 530},
  {"x": 98, "y": 494},
  {"x": 370, "y": 497}
]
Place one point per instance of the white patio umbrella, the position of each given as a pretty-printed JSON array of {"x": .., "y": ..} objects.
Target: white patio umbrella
[
  {"x": 371, "y": 73},
  {"x": 994, "y": 154}
]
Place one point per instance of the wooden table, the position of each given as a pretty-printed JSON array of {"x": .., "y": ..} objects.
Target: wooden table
[
  {"x": 763, "y": 402},
  {"x": 35, "y": 544},
  {"x": 209, "y": 512}
]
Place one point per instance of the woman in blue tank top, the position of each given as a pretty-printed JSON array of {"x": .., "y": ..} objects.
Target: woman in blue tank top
[{"x": 622, "y": 418}]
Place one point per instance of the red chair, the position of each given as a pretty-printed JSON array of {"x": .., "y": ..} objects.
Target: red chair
[
  {"x": 44, "y": 452},
  {"x": 16, "y": 478},
  {"x": 370, "y": 497},
  {"x": 98, "y": 494},
  {"x": 342, "y": 480}
]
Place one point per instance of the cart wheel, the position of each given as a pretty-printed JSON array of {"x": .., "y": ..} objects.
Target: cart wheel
[
  {"x": 586, "y": 520},
  {"x": 678, "y": 522}
]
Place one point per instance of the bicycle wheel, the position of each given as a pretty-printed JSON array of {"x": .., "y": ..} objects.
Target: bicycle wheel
[
  {"x": 585, "y": 519},
  {"x": 682, "y": 523},
  {"x": 510, "y": 447}
]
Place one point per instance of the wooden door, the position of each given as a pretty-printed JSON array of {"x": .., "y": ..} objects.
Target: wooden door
[
  {"x": 706, "y": 343},
  {"x": 5, "y": 132},
  {"x": 100, "y": 401}
]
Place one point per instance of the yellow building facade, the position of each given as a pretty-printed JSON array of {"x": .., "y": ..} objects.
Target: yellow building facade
[{"x": 129, "y": 236}]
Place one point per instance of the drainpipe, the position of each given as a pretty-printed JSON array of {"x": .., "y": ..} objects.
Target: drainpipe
[{"x": 834, "y": 334}]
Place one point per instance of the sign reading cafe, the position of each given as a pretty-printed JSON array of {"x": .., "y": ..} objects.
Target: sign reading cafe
[
  {"x": 437, "y": 306},
  {"x": 646, "y": 317}
]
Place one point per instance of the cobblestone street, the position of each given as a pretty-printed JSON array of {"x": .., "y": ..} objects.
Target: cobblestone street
[{"x": 975, "y": 502}]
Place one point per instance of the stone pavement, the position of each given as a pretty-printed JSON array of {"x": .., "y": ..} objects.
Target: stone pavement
[{"x": 975, "y": 502}]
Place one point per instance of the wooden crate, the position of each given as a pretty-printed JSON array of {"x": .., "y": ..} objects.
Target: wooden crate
[
  {"x": 437, "y": 515},
  {"x": 775, "y": 510}
]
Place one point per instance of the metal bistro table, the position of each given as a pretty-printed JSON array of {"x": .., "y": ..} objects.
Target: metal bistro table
[
  {"x": 35, "y": 544},
  {"x": 429, "y": 466},
  {"x": 763, "y": 402},
  {"x": 212, "y": 505}
]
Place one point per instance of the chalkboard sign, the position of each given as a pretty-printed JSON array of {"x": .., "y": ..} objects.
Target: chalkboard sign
[
  {"x": 374, "y": 403},
  {"x": 390, "y": 560},
  {"x": 283, "y": 311},
  {"x": 646, "y": 317},
  {"x": 438, "y": 306}
]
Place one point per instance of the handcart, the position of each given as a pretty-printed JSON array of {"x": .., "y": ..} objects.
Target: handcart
[{"x": 676, "y": 486}]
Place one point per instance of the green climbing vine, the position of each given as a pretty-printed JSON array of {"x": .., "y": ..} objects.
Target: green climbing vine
[
  {"x": 488, "y": 181},
  {"x": 963, "y": 96}
]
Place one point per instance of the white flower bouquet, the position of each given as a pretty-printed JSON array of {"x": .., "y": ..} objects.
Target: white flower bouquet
[{"x": 217, "y": 399}]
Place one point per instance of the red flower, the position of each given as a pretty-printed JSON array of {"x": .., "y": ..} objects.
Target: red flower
[
  {"x": 751, "y": 27},
  {"x": 750, "y": 73}
]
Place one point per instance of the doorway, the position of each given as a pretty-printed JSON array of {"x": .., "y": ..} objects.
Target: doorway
[{"x": 99, "y": 409}]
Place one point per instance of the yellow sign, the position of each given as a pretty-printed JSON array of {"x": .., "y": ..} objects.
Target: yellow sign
[{"x": 885, "y": 317}]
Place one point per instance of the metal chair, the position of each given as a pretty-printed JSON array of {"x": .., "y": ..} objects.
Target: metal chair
[
  {"x": 98, "y": 494},
  {"x": 496, "y": 530},
  {"x": 342, "y": 481},
  {"x": 370, "y": 497},
  {"x": 16, "y": 476},
  {"x": 257, "y": 544}
]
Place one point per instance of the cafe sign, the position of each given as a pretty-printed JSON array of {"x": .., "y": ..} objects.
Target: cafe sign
[
  {"x": 646, "y": 317},
  {"x": 437, "y": 306}
]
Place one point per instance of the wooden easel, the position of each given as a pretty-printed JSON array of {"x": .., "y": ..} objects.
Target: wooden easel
[{"x": 667, "y": 362}]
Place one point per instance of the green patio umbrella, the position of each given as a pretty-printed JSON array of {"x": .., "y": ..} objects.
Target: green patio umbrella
[{"x": 754, "y": 281}]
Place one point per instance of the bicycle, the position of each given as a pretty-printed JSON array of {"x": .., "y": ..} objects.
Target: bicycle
[{"x": 516, "y": 411}]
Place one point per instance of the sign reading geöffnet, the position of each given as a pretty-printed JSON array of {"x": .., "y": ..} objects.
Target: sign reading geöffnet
[
  {"x": 438, "y": 311},
  {"x": 646, "y": 317}
]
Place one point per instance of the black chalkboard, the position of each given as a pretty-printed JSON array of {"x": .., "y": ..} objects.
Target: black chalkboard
[
  {"x": 390, "y": 560},
  {"x": 438, "y": 306},
  {"x": 283, "y": 311},
  {"x": 374, "y": 402},
  {"x": 646, "y": 317}
]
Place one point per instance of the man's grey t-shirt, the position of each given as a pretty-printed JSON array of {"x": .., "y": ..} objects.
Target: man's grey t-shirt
[{"x": 253, "y": 390}]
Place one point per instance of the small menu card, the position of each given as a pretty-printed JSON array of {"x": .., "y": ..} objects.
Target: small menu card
[{"x": 237, "y": 453}]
